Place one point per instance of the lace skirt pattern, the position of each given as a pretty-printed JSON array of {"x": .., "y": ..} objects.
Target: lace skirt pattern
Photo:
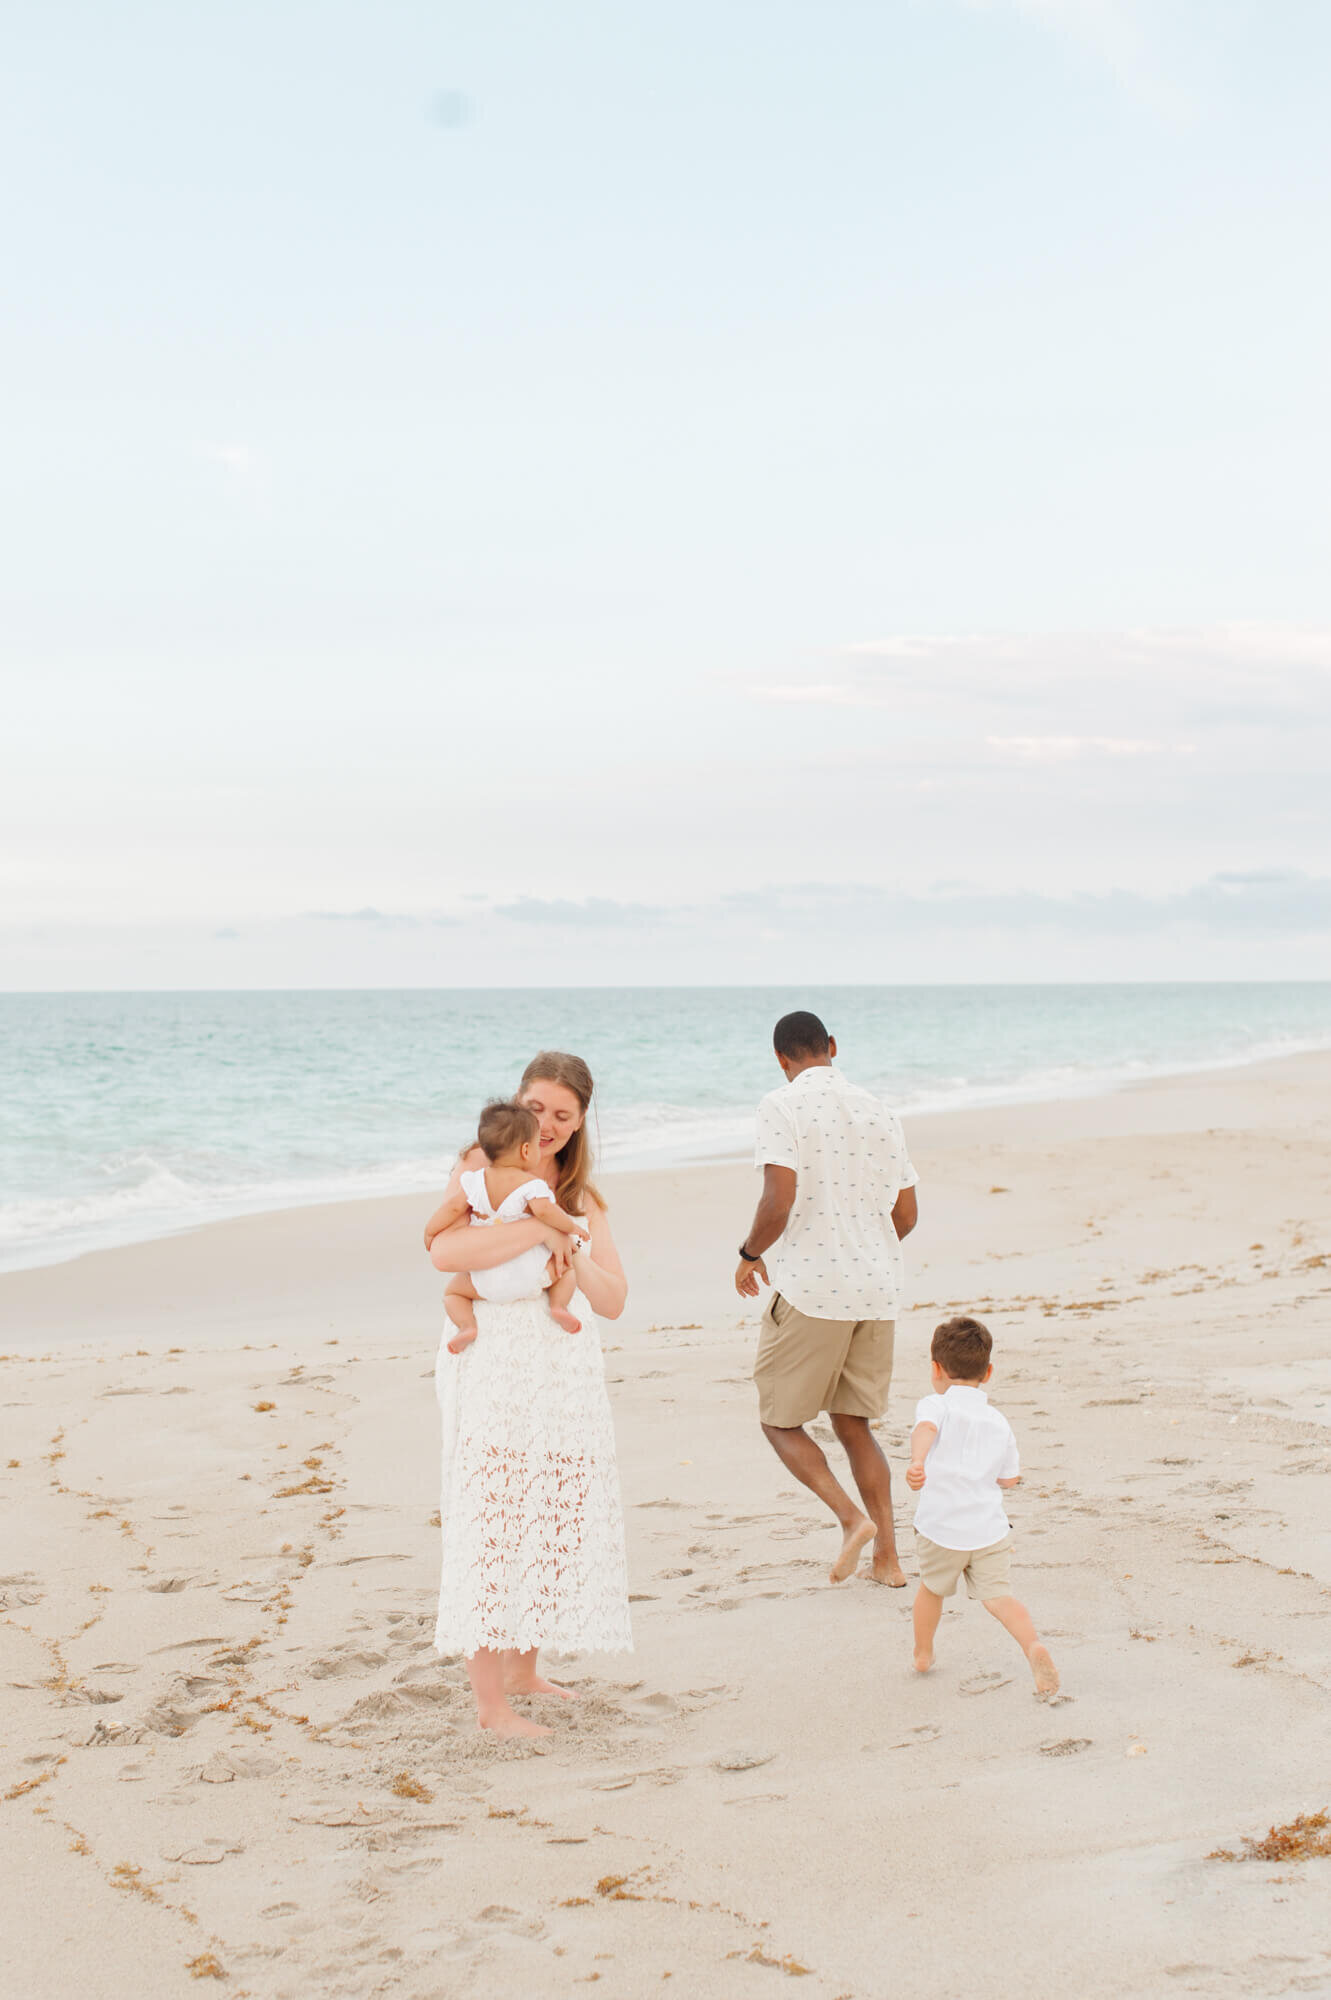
[{"x": 532, "y": 1520}]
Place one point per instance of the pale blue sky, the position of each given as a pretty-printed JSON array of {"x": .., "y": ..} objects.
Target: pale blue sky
[{"x": 564, "y": 469}]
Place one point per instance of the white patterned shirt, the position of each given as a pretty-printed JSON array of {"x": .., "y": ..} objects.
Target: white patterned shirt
[{"x": 839, "y": 1257}]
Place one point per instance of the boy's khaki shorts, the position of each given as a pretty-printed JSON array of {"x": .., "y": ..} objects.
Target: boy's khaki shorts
[
  {"x": 988, "y": 1572},
  {"x": 843, "y": 1366}
]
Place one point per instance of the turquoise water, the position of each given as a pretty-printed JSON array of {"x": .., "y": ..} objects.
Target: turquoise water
[{"x": 128, "y": 1115}]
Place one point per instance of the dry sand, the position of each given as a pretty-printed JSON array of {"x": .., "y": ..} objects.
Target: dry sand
[{"x": 227, "y": 1748}]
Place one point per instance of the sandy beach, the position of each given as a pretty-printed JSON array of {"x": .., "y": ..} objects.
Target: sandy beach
[{"x": 228, "y": 1751}]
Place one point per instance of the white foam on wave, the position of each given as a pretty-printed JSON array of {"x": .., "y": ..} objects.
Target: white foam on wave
[{"x": 143, "y": 1197}]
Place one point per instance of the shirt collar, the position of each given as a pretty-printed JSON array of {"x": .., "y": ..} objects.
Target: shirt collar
[{"x": 964, "y": 1391}]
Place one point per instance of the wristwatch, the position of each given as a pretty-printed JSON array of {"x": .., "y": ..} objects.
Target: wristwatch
[{"x": 747, "y": 1254}]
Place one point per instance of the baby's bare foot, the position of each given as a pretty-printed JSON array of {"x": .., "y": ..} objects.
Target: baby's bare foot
[
  {"x": 563, "y": 1317},
  {"x": 506, "y": 1722},
  {"x": 848, "y": 1561},
  {"x": 1046, "y": 1673},
  {"x": 923, "y": 1660},
  {"x": 462, "y": 1338},
  {"x": 887, "y": 1569}
]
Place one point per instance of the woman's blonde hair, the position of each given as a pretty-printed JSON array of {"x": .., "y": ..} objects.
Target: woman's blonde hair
[{"x": 574, "y": 1160}]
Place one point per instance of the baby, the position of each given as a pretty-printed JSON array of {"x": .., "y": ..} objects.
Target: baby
[
  {"x": 508, "y": 1190},
  {"x": 961, "y": 1453}
]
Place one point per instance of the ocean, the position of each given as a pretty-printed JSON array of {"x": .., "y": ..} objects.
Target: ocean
[{"x": 125, "y": 1116}]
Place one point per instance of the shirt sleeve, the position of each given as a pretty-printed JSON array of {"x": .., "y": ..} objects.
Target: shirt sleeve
[
  {"x": 536, "y": 1190},
  {"x": 907, "y": 1175},
  {"x": 776, "y": 1144},
  {"x": 1011, "y": 1466},
  {"x": 929, "y": 1410}
]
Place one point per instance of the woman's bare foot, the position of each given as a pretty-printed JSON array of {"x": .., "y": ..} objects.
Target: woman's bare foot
[
  {"x": 563, "y": 1317},
  {"x": 506, "y": 1721},
  {"x": 1046, "y": 1673},
  {"x": 887, "y": 1569},
  {"x": 538, "y": 1684},
  {"x": 847, "y": 1562},
  {"x": 923, "y": 1660},
  {"x": 462, "y": 1338}
]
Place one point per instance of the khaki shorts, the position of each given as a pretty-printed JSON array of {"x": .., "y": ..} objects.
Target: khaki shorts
[
  {"x": 988, "y": 1572},
  {"x": 843, "y": 1366}
]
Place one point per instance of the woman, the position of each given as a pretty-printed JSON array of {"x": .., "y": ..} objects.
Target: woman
[{"x": 533, "y": 1525}]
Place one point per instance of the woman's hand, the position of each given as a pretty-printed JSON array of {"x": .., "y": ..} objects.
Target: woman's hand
[{"x": 560, "y": 1247}]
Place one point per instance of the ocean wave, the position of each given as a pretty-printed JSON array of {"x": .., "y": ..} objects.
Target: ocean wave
[{"x": 133, "y": 1195}]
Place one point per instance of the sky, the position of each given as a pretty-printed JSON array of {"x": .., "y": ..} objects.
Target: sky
[{"x": 756, "y": 491}]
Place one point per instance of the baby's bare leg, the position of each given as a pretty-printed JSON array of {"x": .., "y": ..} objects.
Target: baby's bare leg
[
  {"x": 927, "y": 1612},
  {"x": 558, "y": 1296},
  {"x": 1016, "y": 1619},
  {"x": 459, "y": 1304}
]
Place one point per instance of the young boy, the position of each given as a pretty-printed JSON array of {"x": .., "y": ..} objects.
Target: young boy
[
  {"x": 961, "y": 1453},
  {"x": 505, "y": 1191}
]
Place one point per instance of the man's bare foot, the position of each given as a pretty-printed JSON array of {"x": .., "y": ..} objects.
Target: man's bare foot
[
  {"x": 923, "y": 1661},
  {"x": 538, "y": 1684},
  {"x": 887, "y": 1569},
  {"x": 563, "y": 1317},
  {"x": 462, "y": 1338},
  {"x": 1046, "y": 1673},
  {"x": 848, "y": 1561},
  {"x": 507, "y": 1722}
]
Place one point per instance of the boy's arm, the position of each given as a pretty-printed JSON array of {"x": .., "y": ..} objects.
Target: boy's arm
[
  {"x": 921, "y": 1442},
  {"x": 447, "y": 1214},
  {"x": 554, "y": 1217},
  {"x": 1014, "y": 1481}
]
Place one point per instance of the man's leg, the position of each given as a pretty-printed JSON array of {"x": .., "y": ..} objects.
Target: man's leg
[
  {"x": 870, "y": 1471},
  {"x": 801, "y": 1456}
]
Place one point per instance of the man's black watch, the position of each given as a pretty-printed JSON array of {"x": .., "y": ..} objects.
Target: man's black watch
[{"x": 747, "y": 1254}]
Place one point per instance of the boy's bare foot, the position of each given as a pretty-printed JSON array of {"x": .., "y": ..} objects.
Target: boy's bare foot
[
  {"x": 538, "y": 1684},
  {"x": 887, "y": 1569},
  {"x": 923, "y": 1660},
  {"x": 563, "y": 1317},
  {"x": 462, "y": 1338},
  {"x": 1046, "y": 1673},
  {"x": 506, "y": 1722},
  {"x": 848, "y": 1561}
]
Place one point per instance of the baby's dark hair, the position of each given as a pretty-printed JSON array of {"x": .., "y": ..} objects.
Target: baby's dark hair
[
  {"x": 962, "y": 1347},
  {"x": 504, "y": 1126}
]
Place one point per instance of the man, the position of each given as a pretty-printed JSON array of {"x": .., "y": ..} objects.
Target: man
[{"x": 838, "y": 1196}]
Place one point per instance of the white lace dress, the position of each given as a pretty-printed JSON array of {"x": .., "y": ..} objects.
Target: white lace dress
[{"x": 533, "y": 1522}]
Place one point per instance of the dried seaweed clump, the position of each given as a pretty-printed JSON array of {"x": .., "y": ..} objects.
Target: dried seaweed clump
[
  {"x": 1301, "y": 1839},
  {"x": 205, "y": 1966}
]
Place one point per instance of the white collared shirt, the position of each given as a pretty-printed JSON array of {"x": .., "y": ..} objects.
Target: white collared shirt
[
  {"x": 838, "y": 1257},
  {"x": 961, "y": 1503}
]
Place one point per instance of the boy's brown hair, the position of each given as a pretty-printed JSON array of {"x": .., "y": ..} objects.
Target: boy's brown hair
[
  {"x": 962, "y": 1347},
  {"x": 504, "y": 1126}
]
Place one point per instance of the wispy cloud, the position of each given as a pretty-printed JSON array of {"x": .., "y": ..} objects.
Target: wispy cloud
[
  {"x": 600, "y": 912},
  {"x": 1079, "y": 688}
]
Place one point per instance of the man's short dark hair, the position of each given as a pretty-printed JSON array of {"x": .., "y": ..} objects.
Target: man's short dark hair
[
  {"x": 503, "y": 1127},
  {"x": 800, "y": 1035},
  {"x": 962, "y": 1347}
]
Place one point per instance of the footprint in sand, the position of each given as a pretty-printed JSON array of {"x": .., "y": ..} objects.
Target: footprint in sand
[
  {"x": 510, "y": 1920},
  {"x": 985, "y": 1683},
  {"x": 1067, "y": 1746},
  {"x": 743, "y": 1760},
  {"x": 924, "y": 1732},
  {"x": 347, "y": 1660}
]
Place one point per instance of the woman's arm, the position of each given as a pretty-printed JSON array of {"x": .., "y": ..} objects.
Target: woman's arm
[
  {"x": 466, "y": 1249},
  {"x": 446, "y": 1215},
  {"x": 601, "y": 1277}
]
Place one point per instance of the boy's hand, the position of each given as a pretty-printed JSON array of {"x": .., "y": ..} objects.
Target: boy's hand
[{"x": 914, "y": 1476}]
